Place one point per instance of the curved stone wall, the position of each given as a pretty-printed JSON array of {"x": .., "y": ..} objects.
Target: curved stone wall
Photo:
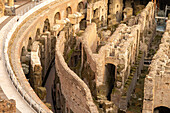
[{"x": 77, "y": 94}]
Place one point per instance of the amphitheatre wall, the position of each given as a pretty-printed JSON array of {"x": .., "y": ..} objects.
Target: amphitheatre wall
[
  {"x": 119, "y": 51},
  {"x": 26, "y": 29}
]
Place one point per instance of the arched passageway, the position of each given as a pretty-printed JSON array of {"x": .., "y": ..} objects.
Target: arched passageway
[
  {"x": 110, "y": 73},
  {"x": 57, "y": 17},
  {"x": 37, "y": 34},
  {"x": 96, "y": 13},
  {"x": 80, "y": 7},
  {"x": 68, "y": 11},
  {"x": 46, "y": 25},
  {"x": 29, "y": 44},
  {"x": 162, "y": 109}
]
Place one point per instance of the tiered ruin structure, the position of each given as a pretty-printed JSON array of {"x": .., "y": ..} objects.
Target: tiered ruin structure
[{"x": 98, "y": 47}]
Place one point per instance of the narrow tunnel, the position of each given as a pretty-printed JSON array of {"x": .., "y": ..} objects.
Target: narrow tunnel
[
  {"x": 162, "y": 109},
  {"x": 110, "y": 79}
]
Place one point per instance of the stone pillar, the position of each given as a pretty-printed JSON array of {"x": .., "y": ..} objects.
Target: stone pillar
[
  {"x": 89, "y": 14},
  {"x": 46, "y": 57},
  {"x": 36, "y": 68}
]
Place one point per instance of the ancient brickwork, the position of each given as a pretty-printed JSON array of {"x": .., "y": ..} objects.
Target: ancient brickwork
[
  {"x": 118, "y": 54},
  {"x": 78, "y": 97},
  {"x": 36, "y": 68},
  {"x": 156, "y": 91},
  {"x": 28, "y": 29}
]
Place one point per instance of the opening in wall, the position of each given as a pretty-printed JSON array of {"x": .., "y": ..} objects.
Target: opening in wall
[{"x": 110, "y": 79}]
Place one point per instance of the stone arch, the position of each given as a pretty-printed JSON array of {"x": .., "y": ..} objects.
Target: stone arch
[
  {"x": 25, "y": 61},
  {"x": 37, "y": 36},
  {"x": 23, "y": 51},
  {"x": 57, "y": 17},
  {"x": 46, "y": 25},
  {"x": 68, "y": 11},
  {"x": 96, "y": 13},
  {"x": 29, "y": 44},
  {"x": 110, "y": 75},
  {"x": 162, "y": 109},
  {"x": 80, "y": 7}
]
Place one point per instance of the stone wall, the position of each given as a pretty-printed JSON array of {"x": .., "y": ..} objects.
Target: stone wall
[
  {"x": 77, "y": 94},
  {"x": 156, "y": 89},
  {"x": 122, "y": 50},
  {"x": 36, "y": 68}
]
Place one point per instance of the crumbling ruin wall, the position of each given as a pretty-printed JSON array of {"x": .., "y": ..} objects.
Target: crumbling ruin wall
[
  {"x": 156, "y": 89},
  {"x": 97, "y": 12},
  {"x": 36, "y": 68},
  {"x": 146, "y": 20},
  {"x": 78, "y": 97},
  {"x": 122, "y": 50},
  {"x": 89, "y": 41}
]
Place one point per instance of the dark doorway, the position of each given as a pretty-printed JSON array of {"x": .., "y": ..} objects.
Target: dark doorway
[
  {"x": 46, "y": 25},
  {"x": 68, "y": 11},
  {"x": 108, "y": 7},
  {"x": 161, "y": 109},
  {"x": 80, "y": 7},
  {"x": 110, "y": 79},
  {"x": 57, "y": 17}
]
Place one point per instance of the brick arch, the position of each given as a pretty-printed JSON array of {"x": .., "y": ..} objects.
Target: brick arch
[
  {"x": 80, "y": 6},
  {"x": 23, "y": 50},
  {"x": 30, "y": 40},
  {"x": 57, "y": 16},
  {"x": 161, "y": 109},
  {"x": 68, "y": 11},
  {"x": 110, "y": 78},
  {"x": 46, "y": 25},
  {"x": 111, "y": 61}
]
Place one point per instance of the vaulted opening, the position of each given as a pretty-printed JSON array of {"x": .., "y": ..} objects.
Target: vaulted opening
[
  {"x": 68, "y": 11},
  {"x": 46, "y": 25},
  {"x": 110, "y": 79},
  {"x": 57, "y": 17}
]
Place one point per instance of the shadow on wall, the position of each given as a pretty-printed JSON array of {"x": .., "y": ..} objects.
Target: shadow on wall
[{"x": 162, "y": 109}]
